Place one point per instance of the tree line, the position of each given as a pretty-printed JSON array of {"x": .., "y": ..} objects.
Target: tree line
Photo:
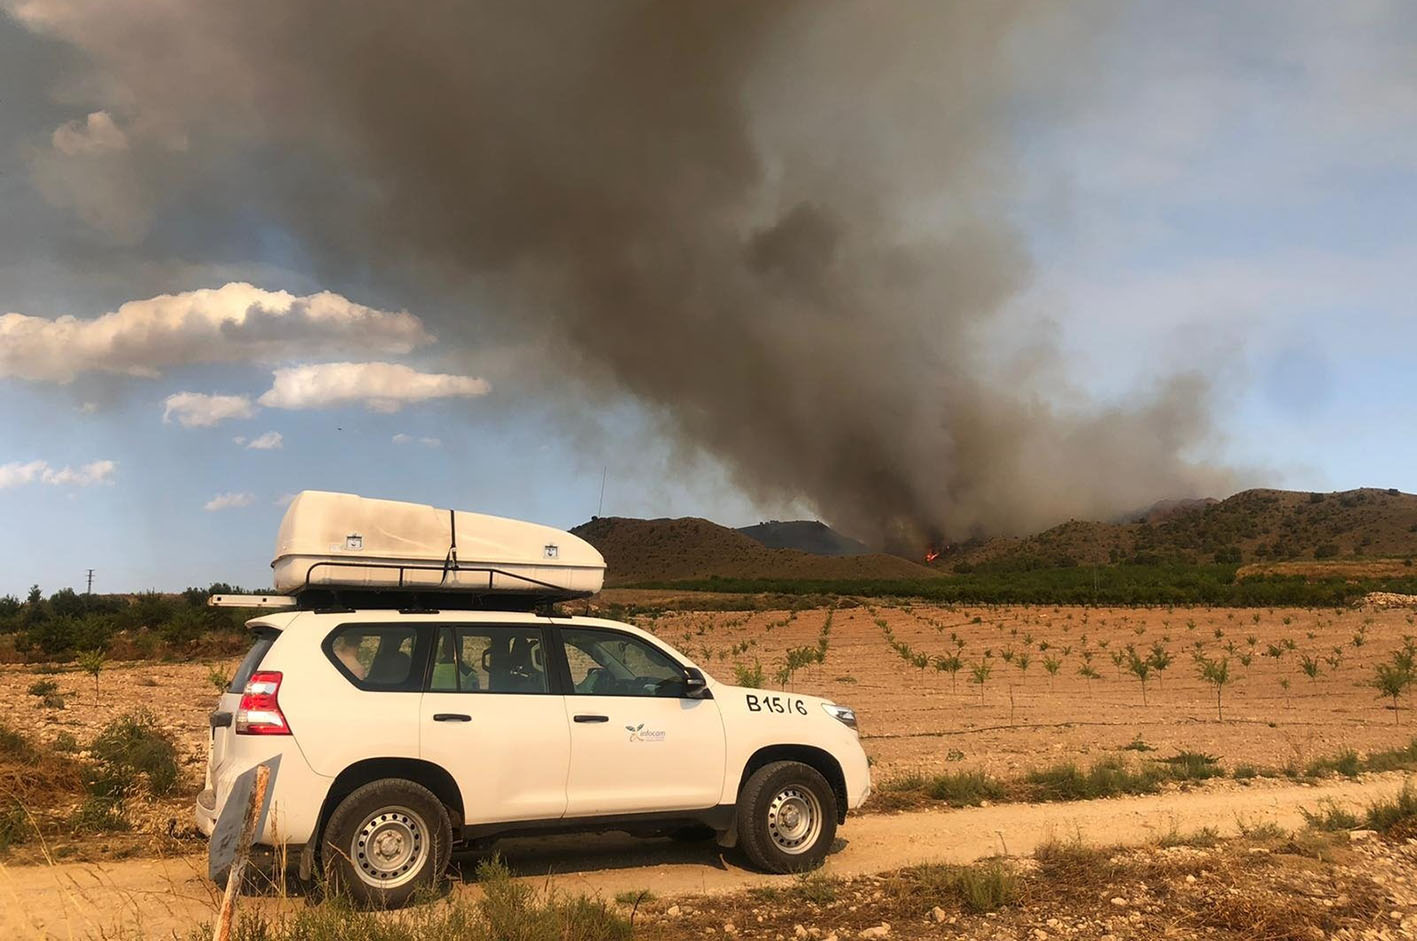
[
  {"x": 1209, "y": 584},
  {"x": 68, "y": 623}
]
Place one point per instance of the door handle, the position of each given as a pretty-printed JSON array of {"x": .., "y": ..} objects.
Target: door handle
[
  {"x": 585, "y": 718},
  {"x": 451, "y": 717}
]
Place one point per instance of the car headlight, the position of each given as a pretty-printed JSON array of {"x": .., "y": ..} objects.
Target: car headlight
[{"x": 843, "y": 714}]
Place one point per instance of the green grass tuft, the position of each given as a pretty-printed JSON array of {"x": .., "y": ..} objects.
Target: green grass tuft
[
  {"x": 1383, "y": 815},
  {"x": 1330, "y": 816}
]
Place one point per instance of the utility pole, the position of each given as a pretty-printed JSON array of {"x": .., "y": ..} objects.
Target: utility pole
[
  {"x": 599, "y": 510},
  {"x": 90, "y": 588}
]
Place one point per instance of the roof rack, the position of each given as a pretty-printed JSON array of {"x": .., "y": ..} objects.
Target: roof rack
[
  {"x": 250, "y": 601},
  {"x": 406, "y": 596}
]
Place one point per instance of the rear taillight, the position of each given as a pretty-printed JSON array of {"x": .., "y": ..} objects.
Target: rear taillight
[{"x": 259, "y": 712}]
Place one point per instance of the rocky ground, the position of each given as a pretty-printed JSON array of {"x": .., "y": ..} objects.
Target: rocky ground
[{"x": 1268, "y": 887}]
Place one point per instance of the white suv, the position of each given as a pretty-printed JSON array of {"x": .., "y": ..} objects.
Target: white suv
[{"x": 400, "y": 734}]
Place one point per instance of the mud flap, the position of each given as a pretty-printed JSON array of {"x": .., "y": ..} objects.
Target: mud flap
[
  {"x": 729, "y": 838},
  {"x": 221, "y": 847}
]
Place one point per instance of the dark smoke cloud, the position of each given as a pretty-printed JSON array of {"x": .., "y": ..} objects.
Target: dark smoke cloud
[{"x": 783, "y": 226}]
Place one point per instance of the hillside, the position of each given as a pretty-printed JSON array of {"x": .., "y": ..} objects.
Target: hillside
[
  {"x": 1252, "y": 526},
  {"x": 639, "y": 550},
  {"x": 806, "y": 535}
]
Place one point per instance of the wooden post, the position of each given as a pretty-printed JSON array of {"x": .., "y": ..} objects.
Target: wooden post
[{"x": 222, "y": 931}]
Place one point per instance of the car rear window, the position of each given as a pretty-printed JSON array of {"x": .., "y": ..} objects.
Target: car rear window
[
  {"x": 252, "y": 661},
  {"x": 379, "y": 656}
]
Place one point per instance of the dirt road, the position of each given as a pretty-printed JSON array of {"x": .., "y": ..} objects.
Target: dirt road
[{"x": 161, "y": 896}]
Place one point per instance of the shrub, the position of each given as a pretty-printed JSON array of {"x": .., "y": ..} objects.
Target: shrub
[
  {"x": 15, "y": 748},
  {"x": 987, "y": 887},
  {"x": 1330, "y": 816},
  {"x": 1395, "y": 759},
  {"x": 185, "y": 626},
  {"x": 15, "y": 825},
  {"x": 1106, "y": 778},
  {"x": 129, "y": 750},
  {"x": 52, "y": 636},
  {"x": 98, "y": 815},
  {"x": 1073, "y": 862},
  {"x": 959, "y": 788},
  {"x": 1346, "y": 763},
  {"x": 815, "y": 886},
  {"x": 1194, "y": 766},
  {"x": 1384, "y": 815},
  {"x": 511, "y": 909},
  {"x": 751, "y": 677}
]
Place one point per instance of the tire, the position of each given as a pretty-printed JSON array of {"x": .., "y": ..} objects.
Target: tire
[
  {"x": 786, "y": 817},
  {"x": 386, "y": 841}
]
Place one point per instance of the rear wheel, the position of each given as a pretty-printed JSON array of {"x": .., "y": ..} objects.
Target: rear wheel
[
  {"x": 786, "y": 817},
  {"x": 385, "y": 841}
]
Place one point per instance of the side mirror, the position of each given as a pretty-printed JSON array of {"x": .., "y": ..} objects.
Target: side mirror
[{"x": 695, "y": 685}]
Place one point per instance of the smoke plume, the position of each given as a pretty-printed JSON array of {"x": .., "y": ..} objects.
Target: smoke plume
[{"x": 782, "y": 226}]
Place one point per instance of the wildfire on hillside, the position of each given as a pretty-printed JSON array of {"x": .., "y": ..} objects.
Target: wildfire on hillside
[{"x": 931, "y": 554}]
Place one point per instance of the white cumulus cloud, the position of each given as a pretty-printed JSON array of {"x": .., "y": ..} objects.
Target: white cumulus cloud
[
  {"x": 270, "y": 441},
  {"x": 198, "y": 410},
  {"x": 16, "y": 474},
  {"x": 380, "y": 387},
  {"x": 229, "y": 501},
  {"x": 236, "y": 323}
]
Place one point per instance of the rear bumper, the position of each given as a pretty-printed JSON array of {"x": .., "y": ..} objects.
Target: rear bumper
[
  {"x": 205, "y": 812},
  {"x": 297, "y": 792}
]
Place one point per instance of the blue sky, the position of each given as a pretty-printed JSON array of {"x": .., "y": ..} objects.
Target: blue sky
[{"x": 1228, "y": 190}]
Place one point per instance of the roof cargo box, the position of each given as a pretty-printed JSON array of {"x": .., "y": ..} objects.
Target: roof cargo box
[{"x": 339, "y": 540}]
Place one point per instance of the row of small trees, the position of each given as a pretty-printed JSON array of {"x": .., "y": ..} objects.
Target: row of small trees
[{"x": 1392, "y": 678}]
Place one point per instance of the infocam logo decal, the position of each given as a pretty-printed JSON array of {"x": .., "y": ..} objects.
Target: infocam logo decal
[{"x": 638, "y": 733}]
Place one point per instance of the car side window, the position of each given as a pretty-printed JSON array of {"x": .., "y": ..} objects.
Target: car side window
[
  {"x": 609, "y": 663},
  {"x": 378, "y": 656},
  {"x": 478, "y": 659}
]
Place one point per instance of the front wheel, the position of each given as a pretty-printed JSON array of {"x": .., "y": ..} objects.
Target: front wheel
[
  {"x": 385, "y": 841},
  {"x": 786, "y": 817}
]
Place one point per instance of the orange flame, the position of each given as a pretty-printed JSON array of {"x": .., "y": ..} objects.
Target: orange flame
[{"x": 931, "y": 555}]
